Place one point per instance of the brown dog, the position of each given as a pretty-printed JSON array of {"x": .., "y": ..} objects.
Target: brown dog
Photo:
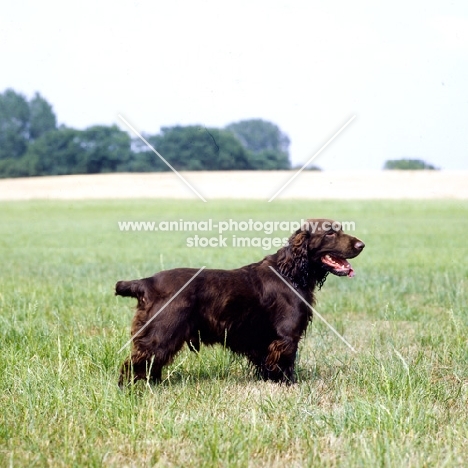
[{"x": 249, "y": 309}]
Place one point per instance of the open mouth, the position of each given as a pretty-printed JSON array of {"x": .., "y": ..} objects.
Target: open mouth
[{"x": 338, "y": 266}]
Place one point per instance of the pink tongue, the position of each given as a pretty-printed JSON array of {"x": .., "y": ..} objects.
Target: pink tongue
[{"x": 350, "y": 273}]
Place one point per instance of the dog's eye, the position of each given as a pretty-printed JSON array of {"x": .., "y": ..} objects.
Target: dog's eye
[{"x": 331, "y": 233}]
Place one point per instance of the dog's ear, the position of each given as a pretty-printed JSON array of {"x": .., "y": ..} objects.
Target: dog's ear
[{"x": 293, "y": 259}]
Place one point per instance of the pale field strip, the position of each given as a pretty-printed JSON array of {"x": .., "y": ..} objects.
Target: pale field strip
[{"x": 260, "y": 185}]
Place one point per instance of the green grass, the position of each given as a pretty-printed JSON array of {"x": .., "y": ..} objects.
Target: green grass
[{"x": 400, "y": 401}]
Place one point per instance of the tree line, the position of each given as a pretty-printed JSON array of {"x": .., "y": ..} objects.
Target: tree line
[
  {"x": 408, "y": 164},
  {"x": 33, "y": 144}
]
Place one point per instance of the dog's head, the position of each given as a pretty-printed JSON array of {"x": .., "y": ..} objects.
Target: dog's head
[{"x": 319, "y": 246}]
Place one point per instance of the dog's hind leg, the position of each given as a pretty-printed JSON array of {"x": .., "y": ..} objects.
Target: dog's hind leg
[
  {"x": 139, "y": 367},
  {"x": 155, "y": 348}
]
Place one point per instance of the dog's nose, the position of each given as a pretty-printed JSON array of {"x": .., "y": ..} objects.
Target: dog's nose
[{"x": 359, "y": 245}]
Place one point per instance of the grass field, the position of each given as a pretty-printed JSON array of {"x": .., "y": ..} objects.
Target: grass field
[{"x": 401, "y": 400}]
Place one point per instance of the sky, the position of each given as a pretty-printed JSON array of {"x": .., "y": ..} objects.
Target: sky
[{"x": 399, "y": 68}]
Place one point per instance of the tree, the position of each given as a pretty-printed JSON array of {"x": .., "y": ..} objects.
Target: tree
[
  {"x": 107, "y": 149},
  {"x": 194, "y": 148},
  {"x": 14, "y": 124},
  {"x": 268, "y": 145},
  {"x": 143, "y": 159},
  {"x": 32, "y": 145},
  {"x": 408, "y": 164},
  {"x": 268, "y": 159},
  {"x": 311, "y": 167},
  {"x": 42, "y": 117},
  {"x": 56, "y": 152},
  {"x": 69, "y": 151}
]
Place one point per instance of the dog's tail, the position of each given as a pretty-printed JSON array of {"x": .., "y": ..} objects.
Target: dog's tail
[{"x": 134, "y": 288}]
